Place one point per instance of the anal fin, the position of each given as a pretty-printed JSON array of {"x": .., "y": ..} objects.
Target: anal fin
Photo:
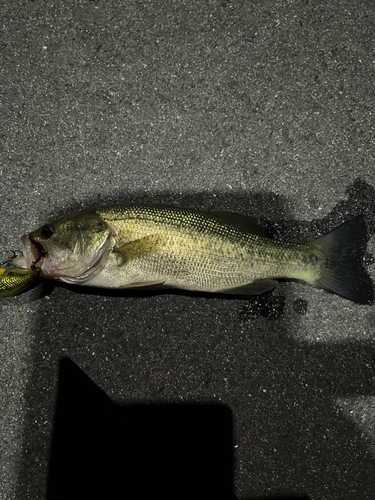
[
  {"x": 256, "y": 287},
  {"x": 145, "y": 285}
]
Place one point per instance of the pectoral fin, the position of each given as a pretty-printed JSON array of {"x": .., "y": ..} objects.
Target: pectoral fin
[{"x": 134, "y": 249}]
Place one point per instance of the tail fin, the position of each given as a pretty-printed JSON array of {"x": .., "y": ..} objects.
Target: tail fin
[{"x": 342, "y": 272}]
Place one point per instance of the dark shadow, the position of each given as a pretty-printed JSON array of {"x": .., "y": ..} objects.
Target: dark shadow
[{"x": 104, "y": 450}]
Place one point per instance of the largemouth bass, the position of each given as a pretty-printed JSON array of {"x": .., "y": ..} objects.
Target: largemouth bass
[{"x": 139, "y": 246}]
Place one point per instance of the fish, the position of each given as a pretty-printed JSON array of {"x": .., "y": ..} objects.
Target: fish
[
  {"x": 134, "y": 246},
  {"x": 14, "y": 280}
]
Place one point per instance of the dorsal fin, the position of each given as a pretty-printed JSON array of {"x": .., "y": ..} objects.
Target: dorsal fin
[{"x": 245, "y": 222}]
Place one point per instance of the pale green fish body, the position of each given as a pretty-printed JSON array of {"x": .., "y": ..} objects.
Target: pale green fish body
[
  {"x": 135, "y": 246},
  {"x": 194, "y": 251}
]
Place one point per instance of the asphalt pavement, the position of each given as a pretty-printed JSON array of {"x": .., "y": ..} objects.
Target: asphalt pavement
[{"x": 265, "y": 108}]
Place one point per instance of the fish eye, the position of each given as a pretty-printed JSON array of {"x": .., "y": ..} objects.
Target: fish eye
[{"x": 46, "y": 232}]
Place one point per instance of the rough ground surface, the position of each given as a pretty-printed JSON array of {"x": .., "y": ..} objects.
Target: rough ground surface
[{"x": 265, "y": 108}]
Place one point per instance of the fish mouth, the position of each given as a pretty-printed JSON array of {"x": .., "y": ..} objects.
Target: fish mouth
[
  {"x": 33, "y": 252},
  {"x": 40, "y": 252}
]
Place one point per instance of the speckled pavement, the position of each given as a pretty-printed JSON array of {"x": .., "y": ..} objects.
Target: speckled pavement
[{"x": 263, "y": 108}]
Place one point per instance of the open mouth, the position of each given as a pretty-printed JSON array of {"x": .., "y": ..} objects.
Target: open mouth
[{"x": 37, "y": 251}]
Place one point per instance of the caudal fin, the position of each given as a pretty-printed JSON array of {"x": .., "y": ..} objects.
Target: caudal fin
[{"x": 342, "y": 272}]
